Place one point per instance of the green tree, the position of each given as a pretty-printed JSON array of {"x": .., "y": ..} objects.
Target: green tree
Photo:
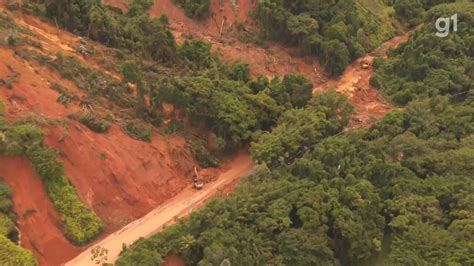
[
  {"x": 299, "y": 89},
  {"x": 132, "y": 72},
  {"x": 410, "y": 11},
  {"x": 335, "y": 56},
  {"x": 301, "y": 26},
  {"x": 425, "y": 244}
]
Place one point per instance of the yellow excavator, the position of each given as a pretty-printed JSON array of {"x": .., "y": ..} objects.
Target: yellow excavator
[{"x": 198, "y": 183}]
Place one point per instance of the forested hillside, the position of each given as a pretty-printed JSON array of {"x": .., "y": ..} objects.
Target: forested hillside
[
  {"x": 99, "y": 96},
  {"x": 412, "y": 12},
  {"x": 336, "y": 31},
  {"x": 397, "y": 193},
  {"x": 223, "y": 97},
  {"x": 427, "y": 65}
]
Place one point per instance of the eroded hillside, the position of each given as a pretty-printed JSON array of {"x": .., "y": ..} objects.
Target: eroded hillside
[
  {"x": 118, "y": 177},
  {"x": 272, "y": 59}
]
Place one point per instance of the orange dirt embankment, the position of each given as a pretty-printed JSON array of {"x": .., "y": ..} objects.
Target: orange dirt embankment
[
  {"x": 120, "y": 178},
  {"x": 38, "y": 221},
  {"x": 31, "y": 92}
]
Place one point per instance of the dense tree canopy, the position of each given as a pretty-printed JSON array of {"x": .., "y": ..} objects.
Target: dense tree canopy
[
  {"x": 133, "y": 31},
  {"x": 297, "y": 129},
  {"x": 412, "y": 11},
  {"x": 229, "y": 106},
  {"x": 400, "y": 191},
  {"x": 337, "y": 31},
  {"x": 428, "y": 65},
  {"x": 195, "y": 8}
]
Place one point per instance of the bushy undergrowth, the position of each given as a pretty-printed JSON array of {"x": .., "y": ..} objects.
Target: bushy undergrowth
[
  {"x": 94, "y": 122},
  {"x": 6, "y": 224},
  {"x": 195, "y": 8},
  {"x": 201, "y": 153},
  {"x": 138, "y": 129},
  {"x": 7, "y": 216},
  {"x": 12, "y": 254}
]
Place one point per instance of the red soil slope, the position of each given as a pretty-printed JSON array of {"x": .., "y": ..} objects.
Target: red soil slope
[
  {"x": 120, "y": 178},
  {"x": 38, "y": 221}
]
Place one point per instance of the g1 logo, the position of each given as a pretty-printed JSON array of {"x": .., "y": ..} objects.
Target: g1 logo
[{"x": 443, "y": 25}]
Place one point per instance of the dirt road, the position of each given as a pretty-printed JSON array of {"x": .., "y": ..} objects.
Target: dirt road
[{"x": 181, "y": 205}]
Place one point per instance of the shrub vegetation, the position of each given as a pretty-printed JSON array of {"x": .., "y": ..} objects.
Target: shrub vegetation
[
  {"x": 13, "y": 254},
  {"x": 94, "y": 122},
  {"x": 195, "y": 8},
  {"x": 139, "y": 130},
  {"x": 10, "y": 252}
]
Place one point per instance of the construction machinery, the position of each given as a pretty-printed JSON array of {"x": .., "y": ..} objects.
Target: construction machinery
[
  {"x": 365, "y": 64},
  {"x": 198, "y": 183}
]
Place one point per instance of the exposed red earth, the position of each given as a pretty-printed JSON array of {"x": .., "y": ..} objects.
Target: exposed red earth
[
  {"x": 38, "y": 221},
  {"x": 120, "y": 178}
]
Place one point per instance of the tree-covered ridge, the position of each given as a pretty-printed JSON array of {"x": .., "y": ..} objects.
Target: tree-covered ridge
[
  {"x": 133, "y": 31},
  {"x": 326, "y": 114},
  {"x": 411, "y": 12},
  {"x": 220, "y": 96},
  {"x": 400, "y": 192},
  {"x": 428, "y": 65},
  {"x": 336, "y": 31},
  {"x": 230, "y": 104}
]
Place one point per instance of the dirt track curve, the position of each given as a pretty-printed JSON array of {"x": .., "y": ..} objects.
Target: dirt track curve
[{"x": 180, "y": 206}]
